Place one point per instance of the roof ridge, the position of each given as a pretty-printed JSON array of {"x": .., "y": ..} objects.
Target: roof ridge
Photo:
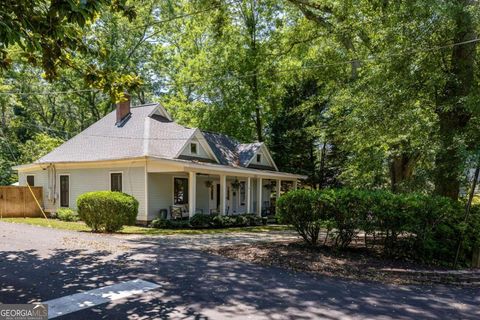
[{"x": 144, "y": 105}]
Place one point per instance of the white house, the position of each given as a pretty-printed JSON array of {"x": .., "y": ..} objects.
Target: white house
[{"x": 167, "y": 167}]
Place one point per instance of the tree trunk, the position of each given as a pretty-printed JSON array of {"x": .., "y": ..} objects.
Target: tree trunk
[
  {"x": 452, "y": 112},
  {"x": 401, "y": 170},
  {"x": 321, "y": 175},
  {"x": 471, "y": 194},
  {"x": 258, "y": 113}
]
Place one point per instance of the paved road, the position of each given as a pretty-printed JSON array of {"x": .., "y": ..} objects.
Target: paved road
[{"x": 39, "y": 264}]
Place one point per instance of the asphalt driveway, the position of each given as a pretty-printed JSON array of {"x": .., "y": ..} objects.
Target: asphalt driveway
[{"x": 40, "y": 264}]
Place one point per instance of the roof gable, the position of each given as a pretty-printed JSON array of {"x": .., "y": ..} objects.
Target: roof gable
[
  {"x": 262, "y": 159},
  {"x": 203, "y": 149},
  {"x": 160, "y": 111}
]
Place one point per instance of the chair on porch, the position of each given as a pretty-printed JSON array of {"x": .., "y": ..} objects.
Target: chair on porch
[{"x": 177, "y": 212}]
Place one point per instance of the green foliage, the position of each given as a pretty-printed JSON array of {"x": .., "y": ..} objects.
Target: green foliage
[
  {"x": 382, "y": 102},
  {"x": 421, "y": 227},
  {"x": 303, "y": 211},
  {"x": 107, "y": 211},
  {"x": 161, "y": 223},
  {"x": 40, "y": 145},
  {"x": 201, "y": 221},
  {"x": 66, "y": 214},
  {"x": 54, "y": 29}
]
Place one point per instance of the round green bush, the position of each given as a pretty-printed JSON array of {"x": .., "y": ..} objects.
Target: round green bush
[
  {"x": 302, "y": 210},
  {"x": 107, "y": 211}
]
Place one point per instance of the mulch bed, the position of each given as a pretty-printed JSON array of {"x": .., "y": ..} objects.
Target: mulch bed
[{"x": 356, "y": 263}]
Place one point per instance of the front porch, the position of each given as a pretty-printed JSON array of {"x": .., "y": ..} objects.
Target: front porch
[{"x": 181, "y": 194}]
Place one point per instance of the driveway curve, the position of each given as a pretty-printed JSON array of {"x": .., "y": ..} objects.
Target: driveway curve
[{"x": 39, "y": 264}]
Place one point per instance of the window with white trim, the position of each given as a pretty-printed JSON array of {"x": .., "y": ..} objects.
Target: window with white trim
[{"x": 259, "y": 158}]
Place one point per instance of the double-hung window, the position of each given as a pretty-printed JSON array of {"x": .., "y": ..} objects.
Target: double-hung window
[{"x": 116, "y": 181}]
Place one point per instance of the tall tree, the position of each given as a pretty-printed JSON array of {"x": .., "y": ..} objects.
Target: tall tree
[{"x": 453, "y": 107}]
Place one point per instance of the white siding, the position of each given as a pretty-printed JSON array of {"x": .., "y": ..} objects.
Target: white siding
[
  {"x": 160, "y": 193},
  {"x": 201, "y": 152},
  {"x": 41, "y": 180},
  {"x": 86, "y": 180},
  {"x": 264, "y": 160}
]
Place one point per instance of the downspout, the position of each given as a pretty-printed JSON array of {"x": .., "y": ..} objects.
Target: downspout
[{"x": 146, "y": 189}]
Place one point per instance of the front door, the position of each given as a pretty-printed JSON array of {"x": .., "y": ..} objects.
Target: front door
[{"x": 64, "y": 191}]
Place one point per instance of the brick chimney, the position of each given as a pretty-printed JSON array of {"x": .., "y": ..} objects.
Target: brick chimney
[{"x": 123, "y": 108}]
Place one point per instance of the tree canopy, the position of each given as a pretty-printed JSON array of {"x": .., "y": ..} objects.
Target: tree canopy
[{"x": 371, "y": 94}]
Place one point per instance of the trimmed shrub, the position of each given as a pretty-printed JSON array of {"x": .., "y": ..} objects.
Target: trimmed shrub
[
  {"x": 303, "y": 210},
  {"x": 421, "y": 227},
  {"x": 201, "y": 220},
  {"x": 66, "y": 214},
  {"x": 254, "y": 219},
  {"x": 159, "y": 223},
  {"x": 242, "y": 221},
  {"x": 209, "y": 221},
  {"x": 107, "y": 211},
  {"x": 178, "y": 224}
]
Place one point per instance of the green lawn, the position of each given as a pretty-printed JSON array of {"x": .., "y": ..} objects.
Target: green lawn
[{"x": 80, "y": 226}]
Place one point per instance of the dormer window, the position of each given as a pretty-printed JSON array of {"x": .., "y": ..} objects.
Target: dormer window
[
  {"x": 193, "y": 148},
  {"x": 259, "y": 158}
]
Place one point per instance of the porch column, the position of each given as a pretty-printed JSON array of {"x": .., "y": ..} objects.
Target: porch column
[
  {"x": 259, "y": 196},
  {"x": 295, "y": 184},
  {"x": 249, "y": 195},
  {"x": 192, "y": 193},
  {"x": 223, "y": 194},
  {"x": 279, "y": 188}
]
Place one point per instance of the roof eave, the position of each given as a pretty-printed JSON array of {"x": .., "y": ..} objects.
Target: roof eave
[{"x": 225, "y": 168}]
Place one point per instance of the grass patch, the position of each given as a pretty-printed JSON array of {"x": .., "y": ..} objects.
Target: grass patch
[{"x": 80, "y": 226}]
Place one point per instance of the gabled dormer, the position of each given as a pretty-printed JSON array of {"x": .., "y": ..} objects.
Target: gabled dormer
[
  {"x": 197, "y": 148},
  {"x": 262, "y": 159},
  {"x": 160, "y": 112}
]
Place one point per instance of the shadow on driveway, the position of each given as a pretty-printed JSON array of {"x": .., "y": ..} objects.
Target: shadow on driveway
[{"x": 198, "y": 285}]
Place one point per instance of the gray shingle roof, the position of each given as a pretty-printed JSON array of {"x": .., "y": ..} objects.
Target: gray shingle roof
[
  {"x": 144, "y": 134},
  {"x": 140, "y": 135}
]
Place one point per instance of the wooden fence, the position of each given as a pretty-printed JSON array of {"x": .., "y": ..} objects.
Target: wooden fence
[{"x": 19, "y": 202}]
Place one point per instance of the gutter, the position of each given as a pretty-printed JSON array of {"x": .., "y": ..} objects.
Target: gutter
[{"x": 185, "y": 163}]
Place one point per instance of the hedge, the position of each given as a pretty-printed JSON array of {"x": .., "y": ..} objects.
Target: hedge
[
  {"x": 201, "y": 221},
  {"x": 107, "y": 211},
  {"x": 422, "y": 227}
]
